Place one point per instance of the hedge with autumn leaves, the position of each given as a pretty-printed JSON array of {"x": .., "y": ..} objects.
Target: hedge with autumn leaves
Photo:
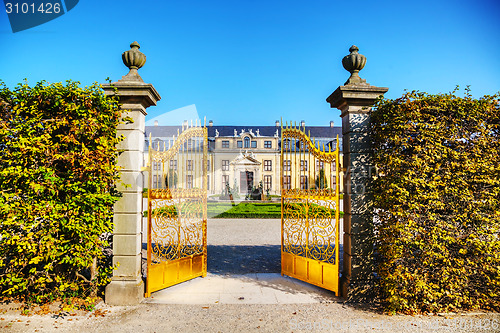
[
  {"x": 57, "y": 174},
  {"x": 437, "y": 200}
]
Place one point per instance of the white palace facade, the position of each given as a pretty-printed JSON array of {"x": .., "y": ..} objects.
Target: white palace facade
[{"x": 242, "y": 156}]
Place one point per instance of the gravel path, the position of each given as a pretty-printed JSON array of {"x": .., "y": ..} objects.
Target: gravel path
[{"x": 333, "y": 317}]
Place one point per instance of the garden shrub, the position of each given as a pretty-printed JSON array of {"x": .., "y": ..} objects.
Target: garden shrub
[
  {"x": 57, "y": 188},
  {"x": 437, "y": 201}
]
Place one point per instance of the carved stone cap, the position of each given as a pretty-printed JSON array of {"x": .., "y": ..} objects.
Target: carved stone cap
[
  {"x": 133, "y": 95},
  {"x": 353, "y": 63},
  {"x": 363, "y": 96},
  {"x": 133, "y": 59}
]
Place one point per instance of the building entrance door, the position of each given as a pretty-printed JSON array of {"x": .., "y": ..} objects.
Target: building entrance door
[{"x": 246, "y": 181}]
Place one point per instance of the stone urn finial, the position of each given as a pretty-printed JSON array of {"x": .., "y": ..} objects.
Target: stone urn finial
[
  {"x": 133, "y": 59},
  {"x": 353, "y": 63}
]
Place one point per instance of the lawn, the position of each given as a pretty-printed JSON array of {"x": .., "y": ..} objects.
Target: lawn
[{"x": 267, "y": 210}]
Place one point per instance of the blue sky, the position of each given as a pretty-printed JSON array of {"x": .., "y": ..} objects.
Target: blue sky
[{"x": 250, "y": 62}]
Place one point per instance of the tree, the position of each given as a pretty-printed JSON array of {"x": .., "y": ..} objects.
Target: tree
[
  {"x": 171, "y": 179},
  {"x": 321, "y": 181}
]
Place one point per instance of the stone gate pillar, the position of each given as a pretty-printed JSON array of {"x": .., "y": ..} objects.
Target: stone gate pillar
[
  {"x": 135, "y": 96},
  {"x": 354, "y": 99}
]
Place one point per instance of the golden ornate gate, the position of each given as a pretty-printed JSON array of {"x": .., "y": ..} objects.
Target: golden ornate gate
[
  {"x": 310, "y": 198},
  {"x": 177, "y": 209}
]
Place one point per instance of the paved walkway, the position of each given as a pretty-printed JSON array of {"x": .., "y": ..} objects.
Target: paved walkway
[{"x": 260, "y": 288}]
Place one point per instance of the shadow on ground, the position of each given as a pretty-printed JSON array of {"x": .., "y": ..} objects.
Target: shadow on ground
[{"x": 242, "y": 259}]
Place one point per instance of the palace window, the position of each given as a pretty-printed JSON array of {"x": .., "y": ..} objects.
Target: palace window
[
  {"x": 156, "y": 181},
  {"x": 239, "y": 144},
  {"x": 267, "y": 182},
  {"x": 287, "y": 182},
  {"x": 268, "y": 166},
  {"x": 156, "y": 165},
  {"x": 247, "y": 142},
  {"x": 208, "y": 182},
  {"x": 189, "y": 181},
  {"x": 303, "y": 183},
  {"x": 254, "y": 144},
  {"x": 208, "y": 164},
  {"x": 320, "y": 165},
  {"x": 225, "y": 165},
  {"x": 268, "y": 144},
  {"x": 189, "y": 165},
  {"x": 287, "y": 165},
  {"x": 303, "y": 165},
  {"x": 159, "y": 144},
  {"x": 225, "y": 144}
]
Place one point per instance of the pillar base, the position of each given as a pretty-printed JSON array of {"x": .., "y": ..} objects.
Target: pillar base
[
  {"x": 358, "y": 291},
  {"x": 124, "y": 292},
  {"x": 344, "y": 287}
]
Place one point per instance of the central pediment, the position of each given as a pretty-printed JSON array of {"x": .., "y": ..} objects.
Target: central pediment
[{"x": 245, "y": 159}]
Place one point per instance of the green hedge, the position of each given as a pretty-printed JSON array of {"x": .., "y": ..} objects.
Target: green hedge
[
  {"x": 57, "y": 175},
  {"x": 437, "y": 197}
]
